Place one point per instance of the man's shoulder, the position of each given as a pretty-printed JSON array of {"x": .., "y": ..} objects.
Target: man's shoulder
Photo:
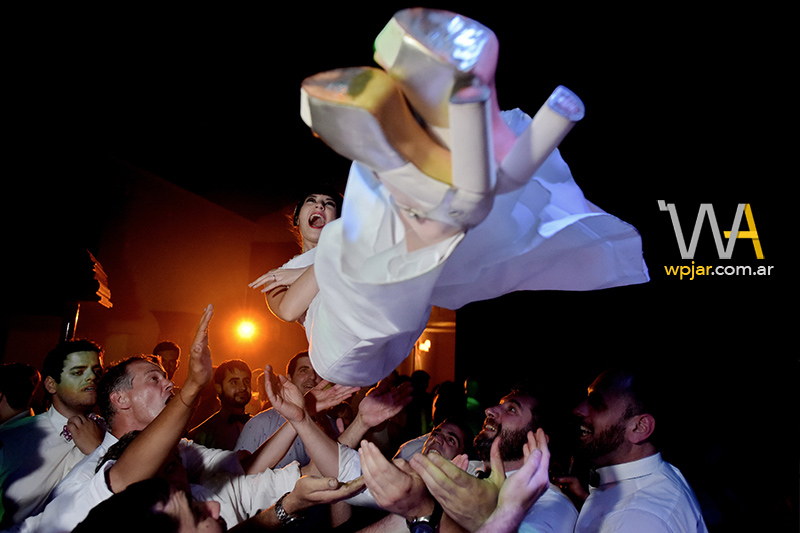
[
  {"x": 266, "y": 418},
  {"x": 553, "y": 511}
]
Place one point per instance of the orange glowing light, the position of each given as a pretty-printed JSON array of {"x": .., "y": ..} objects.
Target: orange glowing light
[{"x": 246, "y": 329}]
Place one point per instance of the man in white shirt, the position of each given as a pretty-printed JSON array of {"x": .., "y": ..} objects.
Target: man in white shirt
[
  {"x": 136, "y": 396},
  {"x": 38, "y": 451},
  {"x": 636, "y": 490},
  {"x": 468, "y": 501}
]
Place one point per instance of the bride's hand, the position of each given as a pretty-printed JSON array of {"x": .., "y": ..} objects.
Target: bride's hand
[{"x": 278, "y": 277}]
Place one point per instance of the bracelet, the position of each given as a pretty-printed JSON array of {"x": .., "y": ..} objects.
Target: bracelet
[{"x": 180, "y": 397}]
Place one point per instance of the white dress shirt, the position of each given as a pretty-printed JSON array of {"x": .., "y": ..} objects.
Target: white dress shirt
[
  {"x": 35, "y": 458},
  {"x": 645, "y": 495}
]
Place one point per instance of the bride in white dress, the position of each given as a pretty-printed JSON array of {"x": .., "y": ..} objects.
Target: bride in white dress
[{"x": 448, "y": 201}]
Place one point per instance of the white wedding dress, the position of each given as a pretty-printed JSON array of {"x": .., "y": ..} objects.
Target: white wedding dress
[{"x": 374, "y": 298}]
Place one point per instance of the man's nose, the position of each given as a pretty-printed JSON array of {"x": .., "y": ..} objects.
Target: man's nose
[{"x": 581, "y": 409}]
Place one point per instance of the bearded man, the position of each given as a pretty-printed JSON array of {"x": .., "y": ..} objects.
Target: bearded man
[{"x": 222, "y": 429}]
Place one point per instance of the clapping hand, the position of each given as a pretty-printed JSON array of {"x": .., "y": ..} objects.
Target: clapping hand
[
  {"x": 324, "y": 396},
  {"x": 384, "y": 401},
  {"x": 284, "y": 396},
  {"x": 394, "y": 485},
  {"x": 520, "y": 490}
]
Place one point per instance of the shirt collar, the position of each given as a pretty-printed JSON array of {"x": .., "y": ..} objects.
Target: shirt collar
[
  {"x": 57, "y": 419},
  {"x": 631, "y": 470}
]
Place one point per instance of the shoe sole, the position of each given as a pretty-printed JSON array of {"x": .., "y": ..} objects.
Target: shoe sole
[
  {"x": 431, "y": 53},
  {"x": 361, "y": 114}
]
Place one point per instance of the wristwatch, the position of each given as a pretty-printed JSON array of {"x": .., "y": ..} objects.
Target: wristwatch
[
  {"x": 426, "y": 524},
  {"x": 284, "y": 517}
]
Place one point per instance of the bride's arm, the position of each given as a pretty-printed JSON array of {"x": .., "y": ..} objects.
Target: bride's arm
[{"x": 288, "y": 301}]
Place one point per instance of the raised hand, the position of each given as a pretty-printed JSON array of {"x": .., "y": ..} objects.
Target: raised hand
[
  {"x": 522, "y": 488},
  {"x": 394, "y": 485},
  {"x": 384, "y": 401},
  {"x": 323, "y": 396},
  {"x": 201, "y": 369},
  {"x": 284, "y": 396},
  {"x": 469, "y": 501}
]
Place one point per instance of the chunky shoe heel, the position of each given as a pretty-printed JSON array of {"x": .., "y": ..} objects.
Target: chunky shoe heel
[
  {"x": 433, "y": 54},
  {"x": 361, "y": 113}
]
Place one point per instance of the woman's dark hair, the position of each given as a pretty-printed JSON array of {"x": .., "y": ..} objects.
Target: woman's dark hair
[{"x": 323, "y": 189}]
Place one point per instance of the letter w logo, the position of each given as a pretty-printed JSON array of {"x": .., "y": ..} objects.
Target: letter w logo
[{"x": 724, "y": 252}]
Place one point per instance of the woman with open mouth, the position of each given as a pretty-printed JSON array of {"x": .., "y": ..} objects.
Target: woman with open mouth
[{"x": 291, "y": 288}]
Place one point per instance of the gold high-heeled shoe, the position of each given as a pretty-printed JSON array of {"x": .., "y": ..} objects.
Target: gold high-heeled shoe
[
  {"x": 433, "y": 53},
  {"x": 362, "y": 114}
]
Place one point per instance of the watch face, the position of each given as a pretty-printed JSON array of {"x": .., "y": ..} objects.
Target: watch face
[{"x": 422, "y": 528}]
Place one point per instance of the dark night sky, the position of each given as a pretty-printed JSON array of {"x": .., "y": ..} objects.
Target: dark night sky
[{"x": 686, "y": 107}]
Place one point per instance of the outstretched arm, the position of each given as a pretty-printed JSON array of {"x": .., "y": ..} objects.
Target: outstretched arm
[
  {"x": 289, "y": 401},
  {"x": 381, "y": 403},
  {"x": 145, "y": 455},
  {"x": 308, "y": 492},
  {"x": 271, "y": 451},
  {"x": 288, "y": 294}
]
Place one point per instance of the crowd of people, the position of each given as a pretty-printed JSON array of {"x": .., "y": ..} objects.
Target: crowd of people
[{"x": 118, "y": 445}]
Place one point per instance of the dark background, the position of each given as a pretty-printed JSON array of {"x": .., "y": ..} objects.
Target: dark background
[{"x": 685, "y": 106}]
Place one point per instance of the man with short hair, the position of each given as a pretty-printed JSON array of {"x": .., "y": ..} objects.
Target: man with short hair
[
  {"x": 222, "y": 429},
  {"x": 449, "y": 439},
  {"x": 39, "y": 451},
  {"x": 262, "y": 426},
  {"x": 136, "y": 396},
  {"x": 470, "y": 501},
  {"x": 170, "y": 355},
  {"x": 18, "y": 381},
  {"x": 636, "y": 490}
]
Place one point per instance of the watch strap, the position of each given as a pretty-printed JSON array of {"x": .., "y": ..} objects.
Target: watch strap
[
  {"x": 284, "y": 517},
  {"x": 424, "y": 524}
]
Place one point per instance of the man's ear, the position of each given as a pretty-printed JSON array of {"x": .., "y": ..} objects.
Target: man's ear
[
  {"x": 642, "y": 428},
  {"x": 218, "y": 388},
  {"x": 119, "y": 400},
  {"x": 50, "y": 384}
]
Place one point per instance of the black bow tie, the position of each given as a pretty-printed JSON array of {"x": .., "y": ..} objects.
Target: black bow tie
[
  {"x": 594, "y": 478},
  {"x": 243, "y": 418}
]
